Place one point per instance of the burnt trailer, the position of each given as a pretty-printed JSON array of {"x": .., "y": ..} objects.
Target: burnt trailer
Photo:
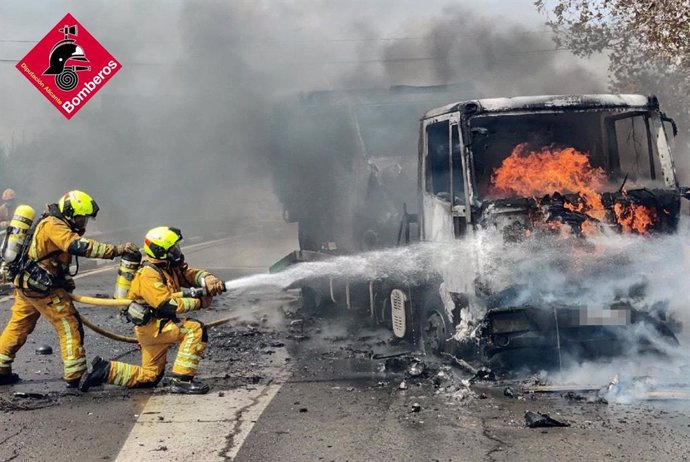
[
  {"x": 344, "y": 162},
  {"x": 558, "y": 167}
]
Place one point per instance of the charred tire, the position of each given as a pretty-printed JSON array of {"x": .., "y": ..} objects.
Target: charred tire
[
  {"x": 314, "y": 304},
  {"x": 310, "y": 299},
  {"x": 435, "y": 326}
]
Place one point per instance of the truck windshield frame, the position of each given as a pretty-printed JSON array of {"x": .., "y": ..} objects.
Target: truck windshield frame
[{"x": 621, "y": 142}]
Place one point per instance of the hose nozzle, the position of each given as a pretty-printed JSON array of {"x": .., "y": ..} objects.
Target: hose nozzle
[{"x": 194, "y": 292}]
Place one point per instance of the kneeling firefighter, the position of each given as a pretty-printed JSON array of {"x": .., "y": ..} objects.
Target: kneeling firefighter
[
  {"x": 163, "y": 273},
  {"x": 42, "y": 281}
]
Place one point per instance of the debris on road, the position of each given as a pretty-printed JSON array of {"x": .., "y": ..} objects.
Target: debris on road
[
  {"x": 416, "y": 407},
  {"x": 441, "y": 378},
  {"x": 44, "y": 350},
  {"x": 538, "y": 420},
  {"x": 394, "y": 355},
  {"x": 591, "y": 399},
  {"x": 30, "y": 401},
  {"x": 484, "y": 374},
  {"x": 297, "y": 325},
  {"x": 415, "y": 368},
  {"x": 29, "y": 395},
  {"x": 462, "y": 364}
]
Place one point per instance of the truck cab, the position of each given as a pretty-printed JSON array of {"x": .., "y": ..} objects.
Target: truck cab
[
  {"x": 463, "y": 144},
  {"x": 559, "y": 167},
  {"x": 499, "y": 178}
]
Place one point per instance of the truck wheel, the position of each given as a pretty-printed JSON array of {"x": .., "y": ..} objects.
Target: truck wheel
[
  {"x": 434, "y": 334},
  {"x": 315, "y": 305},
  {"x": 435, "y": 326},
  {"x": 310, "y": 299}
]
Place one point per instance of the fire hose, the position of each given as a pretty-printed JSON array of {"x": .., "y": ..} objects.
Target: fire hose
[{"x": 122, "y": 302}]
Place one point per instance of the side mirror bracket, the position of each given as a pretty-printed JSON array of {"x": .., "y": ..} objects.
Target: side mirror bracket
[
  {"x": 665, "y": 118},
  {"x": 404, "y": 229}
]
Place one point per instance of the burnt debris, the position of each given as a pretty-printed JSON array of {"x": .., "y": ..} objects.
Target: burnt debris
[
  {"x": 558, "y": 208},
  {"x": 537, "y": 420}
]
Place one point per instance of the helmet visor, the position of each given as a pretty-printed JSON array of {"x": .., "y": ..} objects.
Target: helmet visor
[
  {"x": 175, "y": 253},
  {"x": 81, "y": 221}
]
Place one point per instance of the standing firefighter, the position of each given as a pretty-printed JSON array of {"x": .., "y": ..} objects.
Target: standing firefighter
[
  {"x": 158, "y": 284},
  {"x": 43, "y": 283},
  {"x": 8, "y": 198}
]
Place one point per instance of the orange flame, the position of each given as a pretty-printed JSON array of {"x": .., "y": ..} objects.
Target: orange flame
[
  {"x": 528, "y": 173},
  {"x": 535, "y": 173},
  {"x": 634, "y": 218}
]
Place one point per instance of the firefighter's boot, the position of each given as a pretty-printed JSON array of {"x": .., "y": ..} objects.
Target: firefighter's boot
[
  {"x": 98, "y": 375},
  {"x": 9, "y": 379},
  {"x": 186, "y": 385}
]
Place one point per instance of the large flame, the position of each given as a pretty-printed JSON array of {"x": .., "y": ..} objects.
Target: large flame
[
  {"x": 634, "y": 218},
  {"x": 535, "y": 173}
]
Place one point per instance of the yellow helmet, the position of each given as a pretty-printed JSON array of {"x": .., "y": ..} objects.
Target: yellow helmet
[
  {"x": 162, "y": 243},
  {"x": 77, "y": 204},
  {"x": 8, "y": 194}
]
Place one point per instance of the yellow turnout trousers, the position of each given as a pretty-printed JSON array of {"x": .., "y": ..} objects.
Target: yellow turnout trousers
[
  {"x": 58, "y": 309},
  {"x": 155, "y": 338}
]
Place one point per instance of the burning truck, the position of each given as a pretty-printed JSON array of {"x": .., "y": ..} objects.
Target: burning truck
[{"x": 555, "y": 170}]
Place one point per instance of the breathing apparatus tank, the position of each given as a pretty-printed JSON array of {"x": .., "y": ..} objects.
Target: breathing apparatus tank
[
  {"x": 129, "y": 264},
  {"x": 16, "y": 233}
]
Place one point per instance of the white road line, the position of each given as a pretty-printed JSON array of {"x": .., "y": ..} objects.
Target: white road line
[
  {"x": 246, "y": 420},
  {"x": 197, "y": 427},
  {"x": 202, "y": 427}
]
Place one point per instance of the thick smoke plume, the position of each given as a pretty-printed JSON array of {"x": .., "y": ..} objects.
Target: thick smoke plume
[{"x": 182, "y": 133}]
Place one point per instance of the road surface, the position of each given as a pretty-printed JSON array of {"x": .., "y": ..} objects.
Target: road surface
[{"x": 286, "y": 387}]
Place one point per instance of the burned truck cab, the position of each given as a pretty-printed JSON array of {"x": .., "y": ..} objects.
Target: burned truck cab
[
  {"x": 563, "y": 168},
  {"x": 488, "y": 155}
]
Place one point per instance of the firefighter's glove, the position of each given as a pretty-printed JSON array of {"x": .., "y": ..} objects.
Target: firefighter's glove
[
  {"x": 214, "y": 285},
  {"x": 206, "y": 301},
  {"x": 120, "y": 249},
  {"x": 69, "y": 285}
]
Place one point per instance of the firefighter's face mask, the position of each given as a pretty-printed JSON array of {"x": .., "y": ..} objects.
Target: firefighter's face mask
[
  {"x": 175, "y": 255},
  {"x": 80, "y": 223}
]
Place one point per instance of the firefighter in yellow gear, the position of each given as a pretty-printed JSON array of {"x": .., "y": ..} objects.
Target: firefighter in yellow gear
[
  {"x": 42, "y": 286},
  {"x": 163, "y": 273},
  {"x": 7, "y": 207}
]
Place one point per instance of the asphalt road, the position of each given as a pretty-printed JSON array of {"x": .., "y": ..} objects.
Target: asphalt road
[
  {"x": 339, "y": 405},
  {"x": 68, "y": 425},
  {"x": 290, "y": 391}
]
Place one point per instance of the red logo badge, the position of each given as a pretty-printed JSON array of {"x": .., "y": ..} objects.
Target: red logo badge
[{"x": 68, "y": 66}]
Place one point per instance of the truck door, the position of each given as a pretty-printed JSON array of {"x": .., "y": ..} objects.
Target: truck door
[{"x": 442, "y": 179}]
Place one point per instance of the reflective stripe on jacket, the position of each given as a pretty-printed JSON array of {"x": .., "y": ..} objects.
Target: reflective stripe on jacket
[{"x": 157, "y": 291}]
